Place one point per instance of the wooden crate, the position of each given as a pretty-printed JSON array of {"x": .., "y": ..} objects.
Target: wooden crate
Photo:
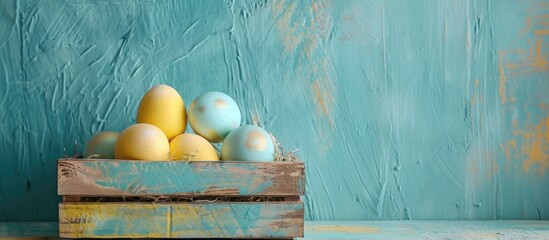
[{"x": 97, "y": 199}]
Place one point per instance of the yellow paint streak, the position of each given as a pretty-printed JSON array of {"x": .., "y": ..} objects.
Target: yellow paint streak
[
  {"x": 294, "y": 35},
  {"x": 541, "y": 32},
  {"x": 302, "y": 35},
  {"x": 530, "y": 60},
  {"x": 539, "y": 61},
  {"x": 322, "y": 89},
  {"x": 83, "y": 219},
  {"x": 507, "y": 147},
  {"x": 74, "y": 216},
  {"x": 310, "y": 47},
  {"x": 536, "y": 147},
  {"x": 319, "y": 98},
  {"x": 344, "y": 229},
  {"x": 321, "y": 19},
  {"x": 289, "y": 35},
  {"x": 502, "y": 79},
  {"x": 534, "y": 59}
]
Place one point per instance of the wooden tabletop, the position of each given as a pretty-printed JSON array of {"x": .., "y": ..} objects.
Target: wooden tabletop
[
  {"x": 429, "y": 230},
  {"x": 355, "y": 229}
]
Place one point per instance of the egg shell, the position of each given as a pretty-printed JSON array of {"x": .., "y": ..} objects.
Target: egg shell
[
  {"x": 248, "y": 143},
  {"x": 163, "y": 107},
  {"x": 213, "y": 115},
  {"x": 192, "y": 147},
  {"x": 142, "y": 141},
  {"x": 101, "y": 145}
]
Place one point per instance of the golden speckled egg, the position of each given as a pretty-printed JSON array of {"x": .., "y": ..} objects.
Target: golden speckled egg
[
  {"x": 213, "y": 115},
  {"x": 248, "y": 143},
  {"x": 163, "y": 107},
  {"x": 101, "y": 145},
  {"x": 142, "y": 141},
  {"x": 191, "y": 147}
]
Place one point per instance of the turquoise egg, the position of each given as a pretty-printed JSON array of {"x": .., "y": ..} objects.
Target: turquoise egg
[
  {"x": 213, "y": 115},
  {"x": 248, "y": 143}
]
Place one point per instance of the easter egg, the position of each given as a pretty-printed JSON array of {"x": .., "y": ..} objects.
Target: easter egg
[
  {"x": 213, "y": 115},
  {"x": 248, "y": 143},
  {"x": 142, "y": 141},
  {"x": 163, "y": 107},
  {"x": 191, "y": 147},
  {"x": 101, "y": 145}
]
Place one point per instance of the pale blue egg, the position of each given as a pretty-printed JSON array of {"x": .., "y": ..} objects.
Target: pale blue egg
[
  {"x": 248, "y": 143},
  {"x": 213, "y": 115}
]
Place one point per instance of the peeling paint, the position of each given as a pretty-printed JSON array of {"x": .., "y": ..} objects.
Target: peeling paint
[
  {"x": 502, "y": 80},
  {"x": 536, "y": 147}
]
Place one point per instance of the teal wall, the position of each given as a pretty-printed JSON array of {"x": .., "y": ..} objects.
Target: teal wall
[{"x": 402, "y": 109}]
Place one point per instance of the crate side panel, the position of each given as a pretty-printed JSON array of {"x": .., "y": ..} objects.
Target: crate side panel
[
  {"x": 79, "y": 220},
  {"x": 180, "y": 220},
  {"x": 238, "y": 220},
  {"x": 132, "y": 178}
]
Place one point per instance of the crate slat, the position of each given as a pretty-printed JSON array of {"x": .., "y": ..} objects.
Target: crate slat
[
  {"x": 87, "y": 177},
  {"x": 181, "y": 220}
]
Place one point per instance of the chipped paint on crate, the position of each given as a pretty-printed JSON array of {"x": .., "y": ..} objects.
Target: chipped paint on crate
[
  {"x": 274, "y": 219},
  {"x": 129, "y": 178}
]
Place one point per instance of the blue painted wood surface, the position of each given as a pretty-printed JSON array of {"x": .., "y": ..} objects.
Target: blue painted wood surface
[
  {"x": 427, "y": 230},
  {"x": 181, "y": 220},
  {"x": 87, "y": 177},
  {"x": 418, "y": 109},
  {"x": 363, "y": 229}
]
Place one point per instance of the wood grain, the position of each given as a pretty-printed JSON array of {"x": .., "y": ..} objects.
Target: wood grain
[
  {"x": 87, "y": 177},
  {"x": 181, "y": 220}
]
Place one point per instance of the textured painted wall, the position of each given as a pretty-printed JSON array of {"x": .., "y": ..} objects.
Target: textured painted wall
[{"x": 402, "y": 109}]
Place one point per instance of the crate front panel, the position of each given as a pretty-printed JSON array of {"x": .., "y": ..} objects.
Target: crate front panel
[
  {"x": 181, "y": 220},
  {"x": 86, "y": 177}
]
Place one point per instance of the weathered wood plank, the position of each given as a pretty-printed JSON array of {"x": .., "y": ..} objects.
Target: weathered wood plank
[
  {"x": 181, "y": 220},
  {"x": 86, "y": 177},
  {"x": 71, "y": 198},
  {"x": 292, "y": 198},
  {"x": 45, "y": 230}
]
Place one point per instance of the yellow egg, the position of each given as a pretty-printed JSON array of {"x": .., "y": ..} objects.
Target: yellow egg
[
  {"x": 101, "y": 145},
  {"x": 142, "y": 141},
  {"x": 163, "y": 107},
  {"x": 191, "y": 147}
]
